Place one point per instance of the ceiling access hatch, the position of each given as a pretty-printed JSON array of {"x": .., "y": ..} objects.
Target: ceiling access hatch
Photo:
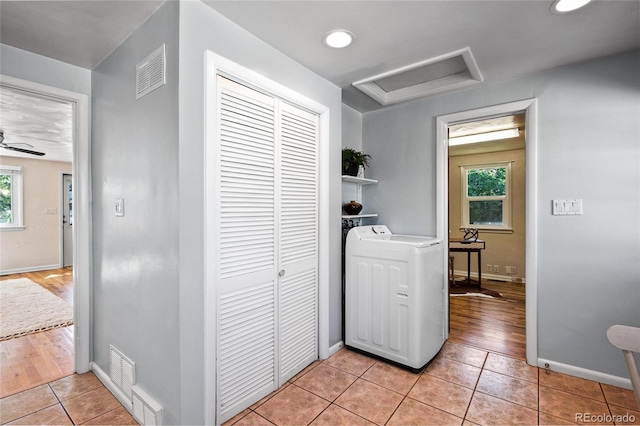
[{"x": 443, "y": 73}]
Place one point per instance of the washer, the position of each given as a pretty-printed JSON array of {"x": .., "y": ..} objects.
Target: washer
[{"x": 394, "y": 295}]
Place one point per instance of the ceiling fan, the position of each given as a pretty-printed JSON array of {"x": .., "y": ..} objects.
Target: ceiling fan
[{"x": 14, "y": 148}]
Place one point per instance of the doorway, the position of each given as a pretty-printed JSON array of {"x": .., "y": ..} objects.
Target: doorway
[
  {"x": 81, "y": 185},
  {"x": 67, "y": 220},
  {"x": 487, "y": 193},
  {"x": 529, "y": 107}
]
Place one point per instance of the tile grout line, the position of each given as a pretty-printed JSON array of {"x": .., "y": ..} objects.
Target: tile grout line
[
  {"x": 349, "y": 387},
  {"x": 475, "y": 387},
  {"x": 61, "y": 404},
  {"x": 38, "y": 410}
]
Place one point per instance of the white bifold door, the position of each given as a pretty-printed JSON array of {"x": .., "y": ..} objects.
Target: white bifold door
[{"x": 267, "y": 255}]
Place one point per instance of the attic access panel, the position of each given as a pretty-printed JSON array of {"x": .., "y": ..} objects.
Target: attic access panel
[{"x": 442, "y": 73}]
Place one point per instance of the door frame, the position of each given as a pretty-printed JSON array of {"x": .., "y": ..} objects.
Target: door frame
[
  {"x": 81, "y": 181},
  {"x": 214, "y": 65},
  {"x": 62, "y": 174},
  {"x": 529, "y": 106}
]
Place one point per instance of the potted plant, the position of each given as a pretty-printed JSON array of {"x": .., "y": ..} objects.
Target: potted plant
[{"x": 352, "y": 160}]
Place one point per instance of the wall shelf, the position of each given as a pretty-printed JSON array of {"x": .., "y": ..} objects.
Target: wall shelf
[
  {"x": 358, "y": 180},
  {"x": 359, "y": 216}
]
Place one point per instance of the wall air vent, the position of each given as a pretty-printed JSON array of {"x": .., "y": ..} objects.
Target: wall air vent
[
  {"x": 150, "y": 72},
  {"x": 446, "y": 72}
]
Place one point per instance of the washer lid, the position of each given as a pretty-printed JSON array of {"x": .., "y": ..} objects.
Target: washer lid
[{"x": 414, "y": 240}]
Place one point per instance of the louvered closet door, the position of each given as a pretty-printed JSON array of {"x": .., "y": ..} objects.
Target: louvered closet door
[
  {"x": 298, "y": 248},
  {"x": 246, "y": 230},
  {"x": 267, "y": 225}
]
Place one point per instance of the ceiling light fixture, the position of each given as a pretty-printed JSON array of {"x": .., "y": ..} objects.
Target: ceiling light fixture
[
  {"x": 485, "y": 137},
  {"x": 564, "y": 6},
  {"x": 338, "y": 39}
]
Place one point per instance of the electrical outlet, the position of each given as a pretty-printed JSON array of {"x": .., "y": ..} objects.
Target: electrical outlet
[
  {"x": 514, "y": 270},
  {"x": 489, "y": 268},
  {"x": 496, "y": 268}
]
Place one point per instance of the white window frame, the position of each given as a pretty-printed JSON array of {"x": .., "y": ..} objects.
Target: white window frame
[
  {"x": 506, "y": 199},
  {"x": 16, "y": 223}
]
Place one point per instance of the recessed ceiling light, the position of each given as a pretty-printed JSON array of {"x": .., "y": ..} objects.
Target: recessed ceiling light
[
  {"x": 338, "y": 39},
  {"x": 564, "y": 6}
]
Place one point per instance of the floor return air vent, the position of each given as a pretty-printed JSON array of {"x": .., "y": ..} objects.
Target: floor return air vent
[{"x": 123, "y": 372}]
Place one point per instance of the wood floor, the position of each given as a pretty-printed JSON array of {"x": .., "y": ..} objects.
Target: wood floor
[
  {"x": 494, "y": 324},
  {"x": 35, "y": 359}
]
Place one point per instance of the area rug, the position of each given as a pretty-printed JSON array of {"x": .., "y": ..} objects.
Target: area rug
[
  {"x": 472, "y": 290},
  {"x": 28, "y": 308}
]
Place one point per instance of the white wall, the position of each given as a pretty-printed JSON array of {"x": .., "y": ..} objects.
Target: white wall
[
  {"x": 588, "y": 133},
  {"x": 201, "y": 29},
  {"x": 135, "y": 157},
  {"x": 37, "y": 247}
]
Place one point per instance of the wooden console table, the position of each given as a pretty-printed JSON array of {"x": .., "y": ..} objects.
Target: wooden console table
[{"x": 459, "y": 245}]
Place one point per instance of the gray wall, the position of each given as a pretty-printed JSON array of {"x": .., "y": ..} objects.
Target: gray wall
[
  {"x": 351, "y": 128},
  {"x": 588, "y": 147},
  {"x": 40, "y": 69},
  {"x": 202, "y": 28},
  {"x": 135, "y": 156}
]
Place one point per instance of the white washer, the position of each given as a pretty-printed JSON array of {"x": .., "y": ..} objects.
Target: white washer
[{"x": 394, "y": 295}]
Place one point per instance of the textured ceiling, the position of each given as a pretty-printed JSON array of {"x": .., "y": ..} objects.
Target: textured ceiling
[{"x": 36, "y": 123}]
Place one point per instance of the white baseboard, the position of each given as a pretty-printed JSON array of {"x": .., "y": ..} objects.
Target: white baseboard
[
  {"x": 106, "y": 381},
  {"x": 494, "y": 277},
  {"x": 29, "y": 269},
  {"x": 335, "y": 348},
  {"x": 583, "y": 373}
]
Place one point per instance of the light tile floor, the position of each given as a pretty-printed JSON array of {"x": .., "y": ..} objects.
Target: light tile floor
[
  {"x": 462, "y": 386},
  {"x": 72, "y": 400}
]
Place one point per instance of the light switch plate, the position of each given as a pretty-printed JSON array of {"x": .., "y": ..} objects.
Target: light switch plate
[
  {"x": 564, "y": 207},
  {"x": 119, "y": 207}
]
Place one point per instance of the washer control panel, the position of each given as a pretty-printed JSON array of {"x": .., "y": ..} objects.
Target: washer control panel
[{"x": 370, "y": 231}]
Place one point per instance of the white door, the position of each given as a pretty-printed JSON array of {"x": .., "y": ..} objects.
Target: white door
[
  {"x": 67, "y": 220},
  {"x": 266, "y": 225},
  {"x": 298, "y": 237}
]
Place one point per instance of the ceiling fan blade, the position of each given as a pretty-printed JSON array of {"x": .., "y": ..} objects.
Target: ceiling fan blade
[{"x": 26, "y": 151}]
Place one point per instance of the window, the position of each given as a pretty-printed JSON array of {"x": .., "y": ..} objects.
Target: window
[
  {"x": 11, "y": 197},
  {"x": 486, "y": 196}
]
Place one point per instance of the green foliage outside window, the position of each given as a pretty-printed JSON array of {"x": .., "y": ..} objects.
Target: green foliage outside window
[
  {"x": 487, "y": 212},
  {"x": 487, "y": 182},
  {"x": 482, "y": 184},
  {"x": 5, "y": 198}
]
